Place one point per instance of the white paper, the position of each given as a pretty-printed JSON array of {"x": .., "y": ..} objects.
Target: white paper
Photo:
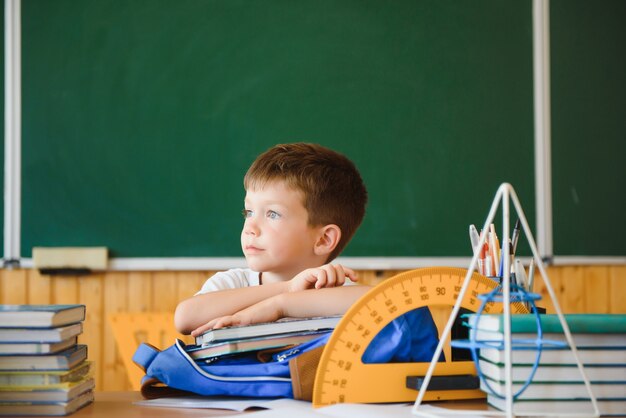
[
  {"x": 288, "y": 403},
  {"x": 429, "y": 411},
  {"x": 352, "y": 410},
  {"x": 287, "y": 412},
  {"x": 208, "y": 402}
]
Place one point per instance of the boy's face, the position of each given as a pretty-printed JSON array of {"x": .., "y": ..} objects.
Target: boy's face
[{"x": 276, "y": 237}]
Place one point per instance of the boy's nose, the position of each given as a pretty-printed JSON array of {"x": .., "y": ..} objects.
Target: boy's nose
[{"x": 250, "y": 227}]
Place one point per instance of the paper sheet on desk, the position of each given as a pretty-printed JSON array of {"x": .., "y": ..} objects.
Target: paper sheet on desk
[
  {"x": 306, "y": 410},
  {"x": 352, "y": 410},
  {"x": 225, "y": 402},
  {"x": 288, "y": 408},
  {"x": 430, "y": 411},
  {"x": 390, "y": 411},
  {"x": 207, "y": 402}
]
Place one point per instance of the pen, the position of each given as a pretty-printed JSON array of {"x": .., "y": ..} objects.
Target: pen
[
  {"x": 520, "y": 274},
  {"x": 531, "y": 274},
  {"x": 511, "y": 269},
  {"x": 515, "y": 237}
]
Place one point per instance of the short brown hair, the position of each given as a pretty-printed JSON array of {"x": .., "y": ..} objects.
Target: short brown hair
[{"x": 333, "y": 189}]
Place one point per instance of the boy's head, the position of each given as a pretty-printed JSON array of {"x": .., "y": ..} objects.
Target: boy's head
[{"x": 331, "y": 185}]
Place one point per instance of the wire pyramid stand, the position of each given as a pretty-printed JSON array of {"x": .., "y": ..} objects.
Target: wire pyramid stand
[{"x": 505, "y": 194}]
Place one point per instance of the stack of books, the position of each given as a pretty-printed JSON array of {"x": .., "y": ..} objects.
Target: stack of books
[
  {"x": 283, "y": 334},
  {"x": 43, "y": 370},
  {"x": 557, "y": 385}
]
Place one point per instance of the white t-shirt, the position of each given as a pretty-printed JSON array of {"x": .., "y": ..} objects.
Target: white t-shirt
[{"x": 230, "y": 279}]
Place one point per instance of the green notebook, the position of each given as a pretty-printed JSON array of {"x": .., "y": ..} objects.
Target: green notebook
[{"x": 577, "y": 323}]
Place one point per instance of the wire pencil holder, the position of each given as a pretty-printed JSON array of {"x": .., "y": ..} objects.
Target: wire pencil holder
[{"x": 507, "y": 293}]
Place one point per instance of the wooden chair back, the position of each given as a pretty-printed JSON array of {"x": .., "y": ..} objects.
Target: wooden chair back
[{"x": 132, "y": 329}]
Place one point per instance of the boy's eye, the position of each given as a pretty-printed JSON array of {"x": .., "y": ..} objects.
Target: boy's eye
[
  {"x": 246, "y": 213},
  {"x": 273, "y": 215}
]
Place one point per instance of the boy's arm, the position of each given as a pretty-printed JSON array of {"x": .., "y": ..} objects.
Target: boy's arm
[
  {"x": 200, "y": 309},
  {"x": 307, "y": 303},
  {"x": 197, "y": 310}
]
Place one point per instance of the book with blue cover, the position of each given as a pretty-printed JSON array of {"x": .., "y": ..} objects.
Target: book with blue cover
[
  {"x": 17, "y": 348},
  {"x": 551, "y": 373},
  {"x": 578, "y": 406},
  {"x": 40, "y": 316},
  {"x": 40, "y": 335},
  {"x": 223, "y": 348},
  {"x": 282, "y": 326},
  {"x": 558, "y": 356},
  {"x": 558, "y": 391},
  {"x": 64, "y": 360}
]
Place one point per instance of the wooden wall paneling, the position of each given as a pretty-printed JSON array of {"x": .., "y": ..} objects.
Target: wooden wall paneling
[
  {"x": 600, "y": 289},
  {"x": 64, "y": 289},
  {"x": 540, "y": 287},
  {"x": 367, "y": 277},
  {"x": 91, "y": 294},
  {"x": 573, "y": 284},
  {"x": 596, "y": 289},
  {"x": 140, "y": 291},
  {"x": 617, "y": 295},
  {"x": 190, "y": 283},
  {"x": 115, "y": 300},
  {"x": 39, "y": 288},
  {"x": 165, "y": 297},
  {"x": 14, "y": 287},
  {"x": 164, "y": 291}
]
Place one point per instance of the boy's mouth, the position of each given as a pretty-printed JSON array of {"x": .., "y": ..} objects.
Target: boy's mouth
[{"x": 251, "y": 249}]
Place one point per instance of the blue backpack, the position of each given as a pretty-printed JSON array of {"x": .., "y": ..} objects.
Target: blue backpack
[{"x": 411, "y": 337}]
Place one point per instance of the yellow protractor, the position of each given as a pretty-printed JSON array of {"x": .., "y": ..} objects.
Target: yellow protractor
[{"x": 342, "y": 377}]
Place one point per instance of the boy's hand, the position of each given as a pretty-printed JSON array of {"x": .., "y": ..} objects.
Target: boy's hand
[
  {"x": 264, "y": 311},
  {"x": 328, "y": 275}
]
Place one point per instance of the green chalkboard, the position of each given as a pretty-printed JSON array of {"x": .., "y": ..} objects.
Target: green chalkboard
[
  {"x": 141, "y": 117},
  {"x": 589, "y": 143}
]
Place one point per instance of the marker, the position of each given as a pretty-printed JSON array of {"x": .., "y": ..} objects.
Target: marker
[
  {"x": 531, "y": 274},
  {"x": 493, "y": 248},
  {"x": 483, "y": 255},
  {"x": 482, "y": 259},
  {"x": 498, "y": 252},
  {"x": 520, "y": 274},
  {"x": 474, "y": 237},
  {"x": 515, "y": 237},
  {"x": 511, "y": 263}
]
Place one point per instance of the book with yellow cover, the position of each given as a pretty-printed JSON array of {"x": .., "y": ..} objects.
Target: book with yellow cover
[
  {"x": 62, "y": 392},
  {"x": 45, "y": 377},
  {"x": 46, "y": 408}
]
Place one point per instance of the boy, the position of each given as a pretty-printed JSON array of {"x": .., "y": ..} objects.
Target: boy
[{"x": 303, "y": 204}]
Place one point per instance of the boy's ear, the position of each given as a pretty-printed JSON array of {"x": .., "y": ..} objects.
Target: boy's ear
[{"x": 328, "y": 239}]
